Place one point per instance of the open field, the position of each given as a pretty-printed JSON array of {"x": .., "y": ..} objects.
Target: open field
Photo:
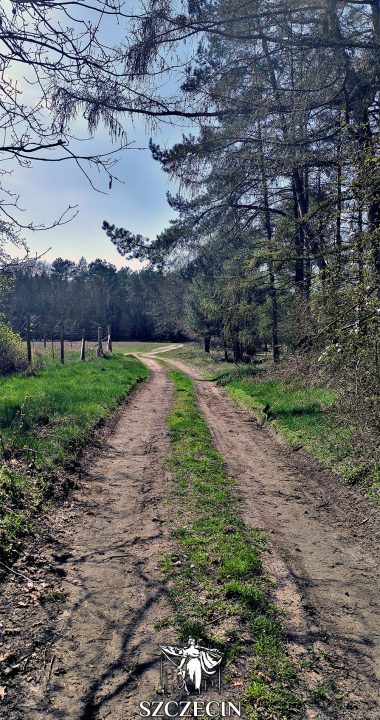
[{"x": 72, "y": 349}]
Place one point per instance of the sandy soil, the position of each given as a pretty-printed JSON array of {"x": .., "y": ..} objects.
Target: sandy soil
[
  {"x": 325, "y": 543},
  {"x": 107, "y": 547},
  {"x": 91, "y": 656},
  {"x": 159, "y": 351}
]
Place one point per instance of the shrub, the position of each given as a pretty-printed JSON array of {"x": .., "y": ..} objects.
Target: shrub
[{"x": 12, "y": 351}]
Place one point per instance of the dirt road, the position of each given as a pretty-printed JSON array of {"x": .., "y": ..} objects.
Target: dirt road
[
  {"x": 105, "y": 550},
  {"x": 110, "y": 556},
  {"x": 325, "y": 543}
]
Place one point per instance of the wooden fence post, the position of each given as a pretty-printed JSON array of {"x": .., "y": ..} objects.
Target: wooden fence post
[
  {"x": 62, "y": 339},
  {"x": 109, "y": 340},
  {"x": 52, "y": 346},
  {"x": 83, "y": 347},
  {"x": 28, "y": 343},
  {"x": 44, "y": 336},
  {"x": 99, "y": 351}
]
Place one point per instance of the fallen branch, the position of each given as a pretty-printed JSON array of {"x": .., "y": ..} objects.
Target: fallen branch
[{"x": 15, "y": 572}]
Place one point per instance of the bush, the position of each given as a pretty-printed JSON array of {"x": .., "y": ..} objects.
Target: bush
[{"x": 12, "y": 350}]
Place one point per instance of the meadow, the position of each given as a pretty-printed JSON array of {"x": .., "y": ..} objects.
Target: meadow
[{"x": 48, "y": 354}]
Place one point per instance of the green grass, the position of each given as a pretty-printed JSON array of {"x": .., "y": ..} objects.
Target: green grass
[
  {"x": 303, "y": 416},
  {"x": 194, "y": 354},
  {"x": 72, "y": 350},
  {"x": 45, "y": 418},
  {"x": 140, "y": 347},
  {"x": 218, "y": 588}
]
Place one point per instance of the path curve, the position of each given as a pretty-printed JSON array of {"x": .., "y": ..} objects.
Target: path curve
[{"x": 324, "y": 559}]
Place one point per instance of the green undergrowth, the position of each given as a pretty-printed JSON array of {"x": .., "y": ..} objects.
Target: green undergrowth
[
  {"x": 218, "y": 589},
  {"x": 304, "y": 417},
  {"x": 46, "y": 417}
]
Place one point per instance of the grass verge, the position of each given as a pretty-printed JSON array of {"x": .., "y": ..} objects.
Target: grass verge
[
  {"x": 306, "y": 417},
  {"x": 45, "y": 418},
  {"x": 303, "y": 416},
  {"x": 218, "y": 588},
  {"x": 194, "y": 354}
]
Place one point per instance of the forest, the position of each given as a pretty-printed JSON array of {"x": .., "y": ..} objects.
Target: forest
[
  {"x": 278, "y": 208},
  {"x": 141, "y": 305}
]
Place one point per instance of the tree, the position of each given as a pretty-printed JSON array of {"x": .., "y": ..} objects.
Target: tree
[
  {"x": 139, "y": 306},
  {"x": 57, "y": 63},
  {"x": 292, "y": 157}
]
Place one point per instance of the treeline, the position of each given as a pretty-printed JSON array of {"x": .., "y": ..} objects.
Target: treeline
[
  {"x": 279, "y": 196},
  {"x": 145, "y": 305}
]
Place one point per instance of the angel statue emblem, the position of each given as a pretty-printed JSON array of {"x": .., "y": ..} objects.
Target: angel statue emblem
[{"x": 192, "y": 665}]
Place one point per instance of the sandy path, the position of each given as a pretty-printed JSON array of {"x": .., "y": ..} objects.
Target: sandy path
[
  {"x": 158, "y": 351},
  {"x": 106, "y": 548},
  {"x": 325, "y": 543},
  {"x": 103, "y": 658}
]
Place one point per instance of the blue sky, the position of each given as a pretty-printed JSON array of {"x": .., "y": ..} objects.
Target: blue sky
[{"x": 138, "y": 203}]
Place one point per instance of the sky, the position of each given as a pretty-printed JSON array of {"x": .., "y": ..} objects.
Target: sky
[{"x": 137, "y": 203}]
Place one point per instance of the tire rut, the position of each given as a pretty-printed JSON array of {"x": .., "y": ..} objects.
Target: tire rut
[
  {"x": 102, "y": 662},
  {"x": 323, "y": 555}
]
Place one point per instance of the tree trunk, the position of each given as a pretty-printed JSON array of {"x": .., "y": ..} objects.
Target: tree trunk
[
  {"x": 299, "y": 270},
  {"x": 207, "y": 340},
  {"x": 109, "y": 340},
  {"x": 272, "y": 284},
  {"x": 374, "y": 228},
  {"x": 372, "y": 187},
  {"x": 236, "y": 347},
  {"x": 226, "y": 358},
  {"x": 338, "y": 228},
  {"x": 274, "y": 308},
  {"x": 360, "y": 275},
  {"x": 83, "y": 347},
  {"x": 303, "y": 209}
]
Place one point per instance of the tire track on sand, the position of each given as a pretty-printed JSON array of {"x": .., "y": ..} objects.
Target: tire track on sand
[
  {"x": 104, "y": 661},
  {"x": 324, "y": 558}
]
